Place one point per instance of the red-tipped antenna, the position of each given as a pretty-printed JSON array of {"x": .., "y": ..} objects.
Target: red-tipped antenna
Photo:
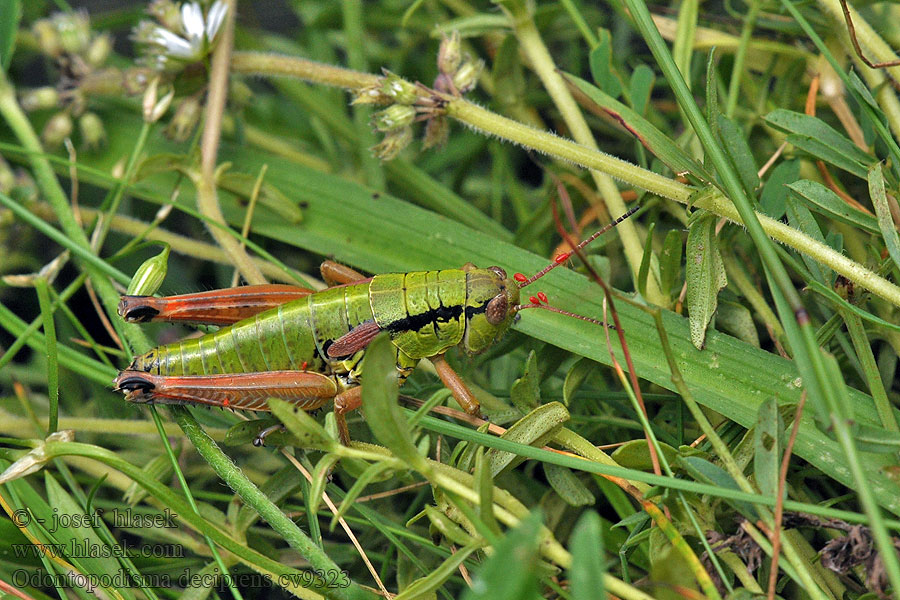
[{"x": 563, "y": 257}]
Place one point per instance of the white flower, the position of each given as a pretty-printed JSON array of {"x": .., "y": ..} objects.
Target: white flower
[{"x": 194, "y": 40}]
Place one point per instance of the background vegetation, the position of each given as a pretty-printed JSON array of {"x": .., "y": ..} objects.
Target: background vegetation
[{"x": 741, "y": 441}]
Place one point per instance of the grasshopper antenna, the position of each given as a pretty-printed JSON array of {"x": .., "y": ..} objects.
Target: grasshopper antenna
[{"x": 564, "y": 256}]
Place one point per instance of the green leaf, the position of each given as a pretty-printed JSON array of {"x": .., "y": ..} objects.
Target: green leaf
[
  {"x": 735, "y": 318},
  {"x": 448, "y": 528},
  {"x": 635, "y": 454},
  {"x": 735, "y": 145},
  {"x": 809, "y": 127},
  {"x": 882, "y": 209},
  {"x": 379, "y": 396},
  {"x": 775, "y": 192},
  {"x": 769, "y": 444},
  {"x": 642, "y": 81},
  {"x": 511, "y": 572},
  {"x": 575, "y": 377},
  {"x": 652, "y": 138},
  {"x": 10, "y": 15},
  {"x": 565, "y": 483},
  {"x": 705, "y": 276},
  {"x": 818, "y": 149},
  {"x": 670, "y": 262},
  {"x": 372, "y": 472},
  {"x": 706, "y": 472},
  {"x": 822, "y": 200},
  {"x": 484, "y": 485},
  {"x": 801, "y": 218},
  {"x": 302, "y": 426},
  {"x": 535, "y": 429},
  {"x": 644, "y": 269},
  {"x": 600, "y": 60},
  {"x": 525, "y": 393},
  {"x": 421, "y": 588},
  {"x": 587, "y": 548}
]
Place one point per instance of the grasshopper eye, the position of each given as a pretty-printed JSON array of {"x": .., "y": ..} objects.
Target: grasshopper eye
[
  {"x": 500, "y": 272},
  {"x": 496, "y": 309}
]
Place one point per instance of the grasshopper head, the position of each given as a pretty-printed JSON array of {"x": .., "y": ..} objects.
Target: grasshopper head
[{"x": 490, "y": 298}]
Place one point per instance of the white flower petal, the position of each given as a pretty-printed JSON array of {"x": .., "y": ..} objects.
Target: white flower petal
[
  {"x": 215, "y": 18},
  {"x": 174, "y": 45},
  {"x": 192, "y": 20}
]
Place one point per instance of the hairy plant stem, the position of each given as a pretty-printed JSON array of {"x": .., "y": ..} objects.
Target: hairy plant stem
[
  {"x": 207, "y": 197},
  {"x": 491, "y": 123},
  {"x": 534, "y": 48}
]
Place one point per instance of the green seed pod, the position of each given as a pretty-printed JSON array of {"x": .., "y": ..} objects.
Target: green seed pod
[
  {"x": 58, "y": 128},
  {"x": 150, "y": 275},
  {"x": 394, "y": 117},
  {"x": 92, "y": 132}
]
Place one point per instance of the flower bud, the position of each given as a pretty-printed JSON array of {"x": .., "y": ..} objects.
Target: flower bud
[
  {"x": 150, "y": 275},
  {"x": 39, "y": 98},
  {"x": 35, "y": 458},
  {"x": 398, "y": 89},
  {"x": 450, "y": 53},
  {"x": 466, "y": 77},
  {"x": 92, "y": 132},
  {"x": 394, "y": 117},
  {"x": 187, "y": 115},
  {"x": 74, "y": 31},
  {"x": 152, "y": 108},
  {"x": 47, "y": 37},
  {"x": 99, "y": 50},
  {"x": 58, "y": 128},
  {"x": 393, "y": 143},
  {"x": 136, "y": 80},
  {"x": 168, "y": 13},
  {"x": 370, "y": 95}
]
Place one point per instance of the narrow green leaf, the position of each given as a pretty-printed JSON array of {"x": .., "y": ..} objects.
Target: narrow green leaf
[
  {"x": 801, "y": 218},
  {"x": 635, "y": 454},
  {"x": 568, "y": 486},
  {"x": 320, "y": 475},
  {"x": 769, "y": 444},
  {"x": 735, "y": 318},
  {"x": 302, "y": 426},
  {"x": 80, "y": 534},
  {"x": 535, "y": 428},
  {"x": 525, "y": 393},
  {"x": 705, "y": 276},
  {"x": 641, "y": 84},
  {"x": 818, "y": 149},
  {"x": 373, "y": 472},
  {"x": 652, "y": 138},
  {"x": 448, "y": 528},
  {"x": 575, "y": 377},
  {"x": 10, "y": 14},
  {"x": 704, "y": 471},
  {"x": 814, "y": 128},
  {"x": 882, "y": 209},
  {"x": 511, "y": 572},
  {"x": 644, "y": 269},
  {"x": 484, "y": 485},
  {"x": 587, "y": 548},
  {"x": 424, "y": 586},
  {"x": 601, "y": 68},
  {"x": 670, "y": 262},
  {"x": 379, "y": 395},
  {"x": 823, "y": 200},
  {"x": 775, "y": 192},
  {"x": 735, "y": 144}
]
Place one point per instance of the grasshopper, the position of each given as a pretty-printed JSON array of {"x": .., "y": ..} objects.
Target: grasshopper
[{"x": 307, "y": 347}]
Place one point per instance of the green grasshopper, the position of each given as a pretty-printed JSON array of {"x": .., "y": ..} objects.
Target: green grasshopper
[{"x": 307, "y": 347}]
